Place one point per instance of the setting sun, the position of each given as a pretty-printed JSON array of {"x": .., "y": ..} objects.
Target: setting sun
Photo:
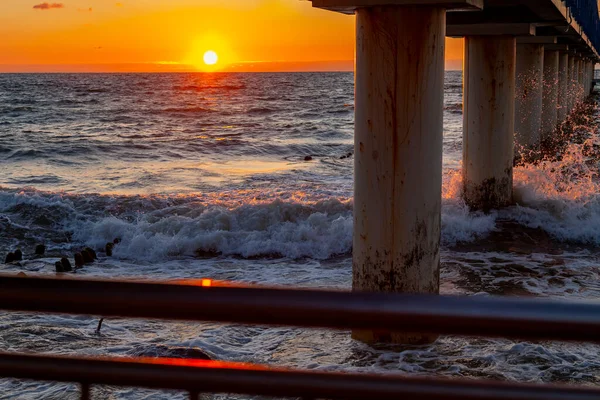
[{"x": 210, "y": 58}]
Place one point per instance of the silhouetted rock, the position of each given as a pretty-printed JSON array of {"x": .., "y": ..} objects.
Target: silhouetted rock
[
  {"x": 117, "y": 241},
  {"x": 22, "y": 275},
  {"x": 308, "y": 158},
  {"x": 209, "y": 253},
  {"x": 40, "y": 249},
  {"x": 78, "y": 260},
  {"x": 109, "y": 249},
  {"x": 92, "y": 253},
  {"x": 66, "y": 264},
  {"x": 18, "y": 255},
  {"x": 87, "y": 257},
  {"x": 10, "y": 257},
  {"x": 59, "y": 267}
]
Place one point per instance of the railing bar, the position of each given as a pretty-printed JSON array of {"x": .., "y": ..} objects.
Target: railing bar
[
  {"x": 478, "y": 316},
  {"x": 85, "y": 391},
  {"x": 194, "y": 395},
  {"x": 218, "y": 377}
]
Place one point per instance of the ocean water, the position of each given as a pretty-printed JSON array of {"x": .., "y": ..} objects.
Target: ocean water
[{"x": 205, "y": 176}]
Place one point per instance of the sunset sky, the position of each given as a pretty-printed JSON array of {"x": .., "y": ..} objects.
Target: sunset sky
[{"x": 173, "y": 35}]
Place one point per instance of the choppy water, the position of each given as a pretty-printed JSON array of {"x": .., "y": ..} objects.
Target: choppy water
[{"x": 179, "y": 163}]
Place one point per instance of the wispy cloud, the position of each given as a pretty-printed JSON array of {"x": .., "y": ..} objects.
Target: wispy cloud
[{"x": 48, "y": 6}]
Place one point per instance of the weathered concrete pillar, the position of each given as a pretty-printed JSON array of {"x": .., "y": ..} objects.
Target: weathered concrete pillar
[
  {"x": 571, "y": 83},
  {"x": 563, "y": 69},
  {"x": 592, "y": 66},
  {"x": 550, "y": 94},
  {"x": 399, "y": 85},
  {"x": 585, "y": 78},
  {"x": 528, "y": 106},
  {"x": 488, "y": 120},
  {"x": 576, "y": 82},
  {"x": 579, "y": 80},
  {"x": 589, "y": 78}
]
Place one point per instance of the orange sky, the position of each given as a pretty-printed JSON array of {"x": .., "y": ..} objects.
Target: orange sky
[{"x": 172, "y": 35}]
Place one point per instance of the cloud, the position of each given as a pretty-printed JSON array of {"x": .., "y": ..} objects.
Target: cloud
[
  {"x": 85, "y": 9},
  {"x": 48, "y": 6}
]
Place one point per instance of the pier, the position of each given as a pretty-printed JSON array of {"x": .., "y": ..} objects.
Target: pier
[{"x": 527, "y": 66}]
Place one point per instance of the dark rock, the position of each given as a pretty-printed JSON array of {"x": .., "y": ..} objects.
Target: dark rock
[
  {"x": 117, "y": 241},
  {"x": 163, "y": 351},
  {"x": 10, "y": 257},
  {"x": 87, "y": 257},
  {"x": 92, "y": 253},
  {"x": 78, "y": 260},
  {"x": 209, "y": 253},
  {"x": 22, "y": 275},
  {"x": 66, "y": 264},
  {"x": 18, "y": 255},
  {"x": 308, "y": 158},
  {"x": 109, "y": 249},
  {"x": 40, "y": 249},
  {"x": 59, "y": 266}
]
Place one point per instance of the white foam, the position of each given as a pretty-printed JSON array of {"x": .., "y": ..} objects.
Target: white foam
[{"x": 290, "y": 229}]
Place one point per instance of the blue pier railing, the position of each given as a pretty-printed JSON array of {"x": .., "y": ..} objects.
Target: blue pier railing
[
  {"x": 585, "y": 12},
  {"x": 199, "y": 301}
]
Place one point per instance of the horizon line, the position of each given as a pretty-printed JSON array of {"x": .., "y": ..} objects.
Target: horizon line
[{"x": 158, "y": 67}]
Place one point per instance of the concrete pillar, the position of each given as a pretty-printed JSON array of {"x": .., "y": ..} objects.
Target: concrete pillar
[
  {"x": 585, "y": 78},
  {"x": 488, "y": 121},
  {"x": 399, "y": 89},
  {"x": 563, "y": 69},
  {"x": 550, "y": 94},
  {"x": 571, "y": 84},
  {"x": 528, "y": 106},
  {"x": 588, "y": 78},
  {"x": 582, "y": 79},
  {"x": 591, "y": 76},
  {"x": 579, "y": 80},
  {"x": 576, "y": 82}
]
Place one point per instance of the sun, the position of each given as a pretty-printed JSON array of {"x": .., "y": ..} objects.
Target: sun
[{"x": 210, "y": 58}]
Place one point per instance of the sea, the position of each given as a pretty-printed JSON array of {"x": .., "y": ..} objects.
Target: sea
[{"x": 249, "y": 178}]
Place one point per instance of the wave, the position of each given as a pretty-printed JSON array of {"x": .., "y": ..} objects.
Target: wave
[
  {"x": 560, "y": 197},
  {"x": 195, "y": 110},
  {"x": 456, "y": 108}
]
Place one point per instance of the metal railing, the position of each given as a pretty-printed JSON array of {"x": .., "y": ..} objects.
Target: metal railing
[
  {"x": 586, "y": 14},
  {"x": 475, "y": 316}
]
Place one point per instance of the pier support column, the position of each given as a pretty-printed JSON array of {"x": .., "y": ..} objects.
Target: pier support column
[
  {"x": 399, "y": 88},
  {"x": 571, "y": 84},
  {"x": 591, "y": 72},
  {"x": 588, "y": 75},
  {"x": 585, "y": 78},
  {"x": 576, "y": 82},
  {"x": 563, "y": 69},
  {"x": 580, "y": 80},
  {"x": 528, "y": 106},
  {"x": 550, "y": 94},
  {"x": 488, "y": 121}
]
